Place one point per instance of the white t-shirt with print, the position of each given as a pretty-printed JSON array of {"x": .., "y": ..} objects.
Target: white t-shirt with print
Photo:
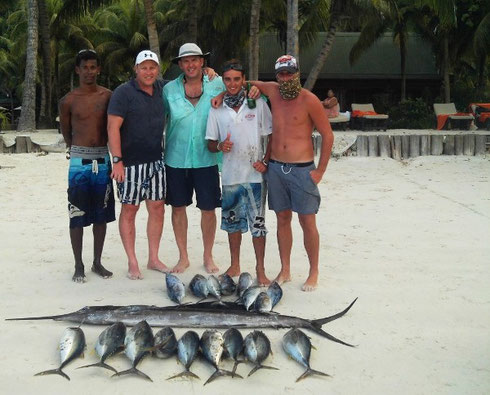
[{"x": 246, "y": 127}]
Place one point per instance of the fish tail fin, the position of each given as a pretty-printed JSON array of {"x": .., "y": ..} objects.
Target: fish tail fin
[
  {"x": 218, "y": 373},
  {"x": 133, "y": 370},
  {"x": 100, "y": 365},
  {"x": 311, "y": 372},
  {"x": 321, "y": 332},
  {"x": 322, "y": 321},
  {"x": 53, "y": 371},
  {"x": 235, "y": 365},
  {"x": 185, "y": 373},
  {"x": 257, "y": 367}
]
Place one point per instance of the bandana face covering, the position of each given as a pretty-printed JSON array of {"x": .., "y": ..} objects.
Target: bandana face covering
[
  {"x": 290, "y": 89},
  {"x": 236, "y": 100}
]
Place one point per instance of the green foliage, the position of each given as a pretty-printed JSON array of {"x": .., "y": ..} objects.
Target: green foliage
[
  {"x": 411, "y": 114},
  {"x": 465, "y": 93}
]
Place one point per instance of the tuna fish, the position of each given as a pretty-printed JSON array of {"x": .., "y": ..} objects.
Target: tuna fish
[
  {"x": 233, "y": 346},
  {"x": 298, "y": 346},
  {"x": 72, "y": 345},
  {"x": 214, "y": 287},
  {"x": 262, "y": 303},
  {"x": 138, "y": 343},
  {"x": 110, "y": 342},
  {"x": 193, "y": 316},
  {"x": 212, "y": 343},
  {"x": 187, "y": 349},
  {"x": 275, "y": 293},
  {"x": 228, "y": 286},
  {"x": 245, "y": 281},
  {"x": 199, "y": 286},
  {"x": 257, "y": 349},
  {"x": 175, "y": 288},
  {"x": 249, "y": 296},
  {"x": 165, "y": 343}
]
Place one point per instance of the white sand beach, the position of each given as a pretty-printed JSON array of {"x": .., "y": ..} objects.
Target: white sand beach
[{"x": 411, "y": 239}]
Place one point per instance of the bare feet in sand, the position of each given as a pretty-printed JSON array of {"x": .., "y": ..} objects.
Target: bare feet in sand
[
  {"x": 233, "y": 271},
  {"x": 134, "y": 272},
  {"x": 79, "y": 275},
  {"x": 210, "y": 266},
  {"x": 283, "y": 277},
  {"x": 181, "y": 266},
  {"x": 97, "y": 268},
  {"x": 159, "y": 266},
  {"x": 262, "y": 279},
  {"x": 310, "y": 283}
]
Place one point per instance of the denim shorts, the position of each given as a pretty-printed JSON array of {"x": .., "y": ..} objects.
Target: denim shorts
[
  {"x": 242, "y": 209},
  {"x": 290, "y": 187}
]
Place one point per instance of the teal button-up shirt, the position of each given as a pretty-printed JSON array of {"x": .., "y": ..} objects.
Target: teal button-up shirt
[{"x": 185, "y": 143}]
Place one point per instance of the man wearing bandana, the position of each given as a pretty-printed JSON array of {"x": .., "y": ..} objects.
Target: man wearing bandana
[
  {"x": 236, "y": 130},
  {"x": 291, "y": 173}
]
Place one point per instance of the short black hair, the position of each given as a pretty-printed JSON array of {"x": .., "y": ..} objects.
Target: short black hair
[
  {"x": 86, "y": 54},
  {"x": 233, "y": 64}
]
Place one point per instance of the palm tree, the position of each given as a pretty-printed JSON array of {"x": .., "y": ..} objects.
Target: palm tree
[
  {"x": 27, "y": 120},
  {"x": 152, "y": 27},
  {"x": 253, "y": 46},
  {"x": 292, "y": 47}
]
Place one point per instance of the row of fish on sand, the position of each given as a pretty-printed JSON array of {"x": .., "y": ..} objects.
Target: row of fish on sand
[
  {"x": 252, "y": 297},
  {"x": 139, "y": 342}
]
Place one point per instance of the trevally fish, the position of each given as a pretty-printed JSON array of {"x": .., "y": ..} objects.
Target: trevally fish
[
  {"x": 257, "y": 348},
  {"x": 298, "y": 346},
  {"x": 233, "y": 346},
  {"x": 262, "y": 303},
  {"x": 193, "y": 316},
  {"x": 245, "y": 281},
  {"x": 138, "y": 343},
  {"x": 275, "y": 293},
  {"x": 227, "y": 284},
  {"x": 72, "y": 345},
  {"x": 199, "y": 286},
  {"x": 187, "y": 348},
  {"x": 214, "y": 287},
  {"x": 109, "y": 342},
  {"x": 249, "y": 296}
]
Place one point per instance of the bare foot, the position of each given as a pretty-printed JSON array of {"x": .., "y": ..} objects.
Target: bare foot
[
  {"x": 134, "y": 272},
  {"x": 181, "y": 266},
  {"x": 262, "y": 280},
  {"x": 159, "y": 266},
  {"x": 97, "y": 268},
  {"x": 310, "y": 283},
  {"x": 210, "y": 266},
  {"x": 282, "y": 278},
  {"x": 233, "y": 271},
  {"x": 79, "y": 275}
]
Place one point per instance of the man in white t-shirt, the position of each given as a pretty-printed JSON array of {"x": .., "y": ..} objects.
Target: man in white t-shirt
[{"x": 236, "y": 130}]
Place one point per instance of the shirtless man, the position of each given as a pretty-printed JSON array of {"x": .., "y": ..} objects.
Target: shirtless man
[
  {"x": 291, "y": 175},
  {"x": 83, "y": 121}
]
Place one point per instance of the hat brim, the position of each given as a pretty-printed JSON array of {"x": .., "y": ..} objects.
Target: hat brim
[
  {"x": 289, "y": 69},
  {"x": 176, "y": 60}
]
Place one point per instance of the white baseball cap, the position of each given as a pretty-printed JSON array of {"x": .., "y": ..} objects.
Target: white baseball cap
[
  {"x": 146, "y": 55},
  {"x": 189, "y": 49},
  {"x": 286, "y": 63}
]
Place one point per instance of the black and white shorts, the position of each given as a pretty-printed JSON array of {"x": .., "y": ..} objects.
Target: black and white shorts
[{"x": 142, "y": 182}]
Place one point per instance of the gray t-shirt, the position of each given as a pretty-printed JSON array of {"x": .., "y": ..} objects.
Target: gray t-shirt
[{"x": 144, "y": 121}]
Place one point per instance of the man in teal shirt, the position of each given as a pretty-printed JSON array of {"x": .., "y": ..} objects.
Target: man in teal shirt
[{"x": 190, "y": 166}]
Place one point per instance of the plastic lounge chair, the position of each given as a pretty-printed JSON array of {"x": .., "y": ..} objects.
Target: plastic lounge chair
[
  {"x": 449, "y": 118},
  {"x": 364, "y": 117},
  {"x": 339, "y": 122},
  {"x": 481, "y": 113}
]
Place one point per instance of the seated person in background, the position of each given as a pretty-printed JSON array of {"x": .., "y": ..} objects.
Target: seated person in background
[{"x": 331, "y": 105}]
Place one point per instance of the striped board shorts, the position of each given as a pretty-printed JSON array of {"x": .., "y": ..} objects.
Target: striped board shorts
[{"x": 142, "y": 182}]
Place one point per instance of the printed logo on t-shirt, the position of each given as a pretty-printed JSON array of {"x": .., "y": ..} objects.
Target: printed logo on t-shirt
[{"x": 249, "y": 117}]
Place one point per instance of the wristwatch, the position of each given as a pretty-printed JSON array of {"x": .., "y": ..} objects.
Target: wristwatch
[{"x": 116, "y": 159}]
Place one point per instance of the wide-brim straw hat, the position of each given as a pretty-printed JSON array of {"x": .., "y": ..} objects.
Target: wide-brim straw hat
[{"x": 189, "y": 49}]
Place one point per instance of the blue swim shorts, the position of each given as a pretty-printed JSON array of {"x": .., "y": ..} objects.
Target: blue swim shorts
[
  {"x": 90, "y": 192},
  {"x": 242, "y": 209},
  {"x": 290, "y": 187}
]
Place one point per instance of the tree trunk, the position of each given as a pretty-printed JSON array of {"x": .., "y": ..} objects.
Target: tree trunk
[
  {"x": 253, "y": 47},
  {"x": 152, "y": 27},
  {"x": 45, "y": 111},
  {"x": 191, "y": 36},
  {"x": 403, "y": 66},
  {"x": 27, "y": 121},
  {"x": 292, "y": 46},
  {"x": 447, "y": 88},
  {"x": 327, "y": 46}
]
